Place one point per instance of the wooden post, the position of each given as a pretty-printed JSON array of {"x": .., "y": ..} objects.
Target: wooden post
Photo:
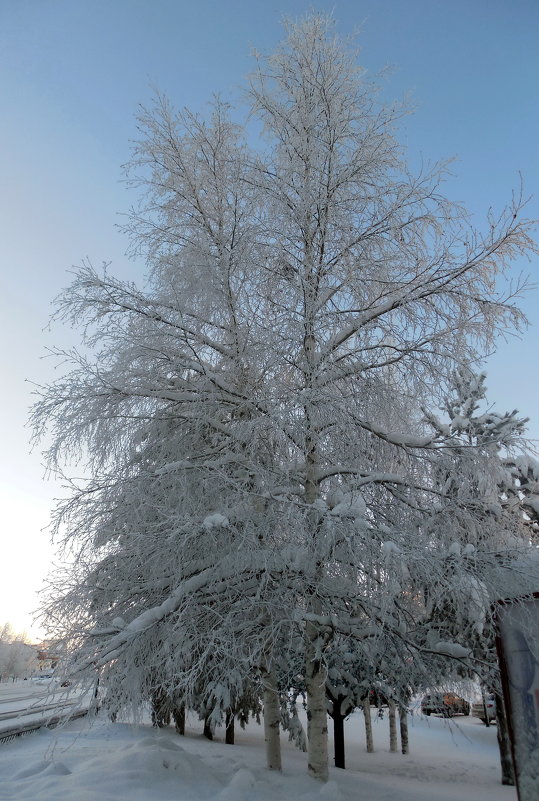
[{"x": 504, "y": 743}]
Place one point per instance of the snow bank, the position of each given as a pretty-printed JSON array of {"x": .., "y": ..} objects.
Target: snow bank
[{"x": 449, "y": 761}]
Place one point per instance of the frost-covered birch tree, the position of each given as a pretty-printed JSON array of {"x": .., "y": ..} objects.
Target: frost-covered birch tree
[{"x": 250, "y": 418}]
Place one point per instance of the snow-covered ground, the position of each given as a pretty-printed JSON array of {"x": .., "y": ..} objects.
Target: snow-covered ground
[
  {"x": 25, "y": 703},
  {"x": 449, "y": 761},
  {"x": 22, "y": 695}
]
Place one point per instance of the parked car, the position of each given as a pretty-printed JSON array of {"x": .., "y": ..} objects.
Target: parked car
[
  {"x": 478, "y": 709},
  {"x": 446, "y": 704}
]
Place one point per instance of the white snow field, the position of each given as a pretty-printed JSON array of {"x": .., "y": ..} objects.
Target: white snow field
[
  {"x": 28, "y": 702},
  {"x": 449, "y": 761}
]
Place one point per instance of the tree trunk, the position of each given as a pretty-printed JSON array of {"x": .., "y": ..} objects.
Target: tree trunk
[
  {"x": 485, "y": 709},
  {"x": 160, "y": 708},
  {"x": 96, "y": 696},
  {"x": 317, "y": 721},
  {"x": 272, "y": 719},
  {"x": 504, "y": 743},
  {"x": 208, "y": 731},
  {"x": 368, "y": 725},
  {"x": 178, "y": 713},
  {"x": 315, "y": 670},
  {"x": 229, "y": 727},
  {"x": 403, "y": 721},
  {"x": 338, "y": 735},
  {"x": 392, "y": 726}
]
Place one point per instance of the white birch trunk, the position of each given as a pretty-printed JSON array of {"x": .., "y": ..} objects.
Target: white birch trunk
[
  {"x": 315, "y": 669},
  {"x": 272, "y": 719},
  {"x": 403, "y": 720},
  {"x": 317, "y": 721},
  {"x": 368, "y": 725},
  {"x": 392, "y": 726}
]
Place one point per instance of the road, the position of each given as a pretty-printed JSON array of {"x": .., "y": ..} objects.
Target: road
[{"x": 27, "y": 704}]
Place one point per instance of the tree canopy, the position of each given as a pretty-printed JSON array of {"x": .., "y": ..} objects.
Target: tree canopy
[{"x": 269, "y": 471}]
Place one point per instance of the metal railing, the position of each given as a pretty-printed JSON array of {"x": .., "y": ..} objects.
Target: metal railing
[{"x": 11, "y": 732}]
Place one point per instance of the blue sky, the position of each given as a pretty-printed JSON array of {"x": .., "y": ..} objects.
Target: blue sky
[{"x": 72, "y": 73}]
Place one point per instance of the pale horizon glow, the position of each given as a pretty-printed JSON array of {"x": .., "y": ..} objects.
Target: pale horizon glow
[{"x": 71, "y": 77}]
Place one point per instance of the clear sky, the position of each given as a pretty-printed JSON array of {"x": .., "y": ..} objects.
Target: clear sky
[{"x": 72, "y": 73}]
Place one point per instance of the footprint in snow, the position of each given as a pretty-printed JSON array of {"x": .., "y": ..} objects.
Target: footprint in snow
[{"x": 240, "y": 786}]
